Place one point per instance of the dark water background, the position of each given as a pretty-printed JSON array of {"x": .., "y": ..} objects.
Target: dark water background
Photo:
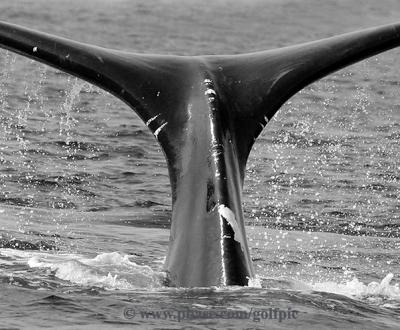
[{"x": 84, "y": 191}]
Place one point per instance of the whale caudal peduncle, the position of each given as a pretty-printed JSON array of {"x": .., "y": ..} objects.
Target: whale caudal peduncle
[
  {"x": 206, "y": 112},
  {"x": 207, "y": 244}
]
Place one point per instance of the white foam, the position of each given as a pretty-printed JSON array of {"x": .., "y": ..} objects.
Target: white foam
[
  {"x": 255, "y": 282},
  {"x": 357, "y": 289},
  {"x": 107, "y": 270}
]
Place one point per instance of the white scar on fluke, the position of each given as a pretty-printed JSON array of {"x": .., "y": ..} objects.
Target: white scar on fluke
[
  {"x": 189, "y": 110},
  {"x": 100, "y": 59},
  {"x": 151, "y": 119},
  {"x": 210, "y": 92},
  {"x": 158, "y": 130},
  {"x": 265, "y": 122},
  {"x": 226, "y": 213},
  {"x": 221, "y": 224}
]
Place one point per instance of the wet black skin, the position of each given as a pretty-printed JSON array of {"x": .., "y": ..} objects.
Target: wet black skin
[{"x": 206, "y": 112}]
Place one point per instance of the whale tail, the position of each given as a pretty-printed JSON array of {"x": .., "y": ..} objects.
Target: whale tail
[{"x": 206, "y": 112}]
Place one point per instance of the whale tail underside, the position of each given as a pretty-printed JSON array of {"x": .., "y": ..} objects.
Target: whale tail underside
[{"x": 206, "y": 112}]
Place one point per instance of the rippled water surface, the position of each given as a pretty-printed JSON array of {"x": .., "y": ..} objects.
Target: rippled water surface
[{"x": 84, "y": 192}]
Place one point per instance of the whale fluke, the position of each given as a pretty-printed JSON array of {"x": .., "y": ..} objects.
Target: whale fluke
[{"x": 206, "y": 112}]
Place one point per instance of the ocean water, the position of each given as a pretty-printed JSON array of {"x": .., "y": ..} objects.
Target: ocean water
[{"x": 85, "y": 199}]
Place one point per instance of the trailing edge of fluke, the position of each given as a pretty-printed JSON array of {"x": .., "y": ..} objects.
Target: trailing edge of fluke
[{"x": 206, "y": 112}]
